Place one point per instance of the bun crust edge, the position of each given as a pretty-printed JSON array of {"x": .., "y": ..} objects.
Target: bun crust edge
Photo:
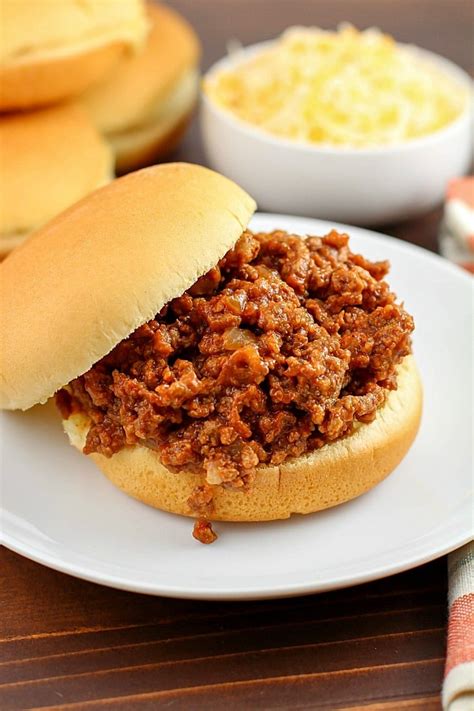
[
  {"x": 336, "y": 473},
  {"x": 150, "y": 148},
  {"x": 156, "y": 139},
  {"x": 49, "y": 80}
]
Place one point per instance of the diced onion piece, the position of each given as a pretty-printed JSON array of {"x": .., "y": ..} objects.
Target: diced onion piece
[{"x": 235, "y": 338}]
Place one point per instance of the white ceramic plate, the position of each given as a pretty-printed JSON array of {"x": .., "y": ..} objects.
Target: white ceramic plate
[{"x": 58, "y": 509}]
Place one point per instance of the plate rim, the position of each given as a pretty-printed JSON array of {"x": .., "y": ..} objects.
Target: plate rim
[
  {"x": 285, "y": 590},
  {"x": 279, "y": 592}
]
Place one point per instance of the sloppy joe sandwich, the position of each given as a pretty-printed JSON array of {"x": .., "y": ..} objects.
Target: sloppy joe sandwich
[
  {"x": 51, "y": 50},
  {"x": 50, "y": 158},
  {"x": 145, "y": 104},
  {"x": 209, "y": 370}
]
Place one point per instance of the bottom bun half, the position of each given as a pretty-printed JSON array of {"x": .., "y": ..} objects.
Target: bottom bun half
[
  {"x": 336, "y": 473},
  {"x": 161, "y": 131}
]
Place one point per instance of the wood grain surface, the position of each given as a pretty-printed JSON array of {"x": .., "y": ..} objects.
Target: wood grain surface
[{"x": 66, "y": 643}]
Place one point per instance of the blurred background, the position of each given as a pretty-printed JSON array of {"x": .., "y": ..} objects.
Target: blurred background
[
  {"x": 77, "y": 111},
  {"x": 442, "y": 26}
]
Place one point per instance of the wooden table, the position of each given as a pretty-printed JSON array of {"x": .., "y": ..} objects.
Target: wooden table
[{"x": 65, "y": 643}]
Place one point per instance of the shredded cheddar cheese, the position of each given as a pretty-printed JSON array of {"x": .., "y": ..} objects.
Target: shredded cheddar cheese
[{"x": 339, "y": 88}]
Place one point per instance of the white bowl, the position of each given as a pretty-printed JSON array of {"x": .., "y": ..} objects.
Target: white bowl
[{"x": 358, "y": 185}]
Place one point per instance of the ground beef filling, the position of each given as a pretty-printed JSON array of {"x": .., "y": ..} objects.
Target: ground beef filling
[{"x": 279, "y": 349}]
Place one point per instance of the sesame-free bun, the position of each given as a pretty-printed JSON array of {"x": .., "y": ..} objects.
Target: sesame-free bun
[
  {"x": 49, "y": 159},
  {"x": 108, "y": 264},
  {"x": 51, "y": 50},
  {"x": 336, "y": 473},
  {"x": 158, "y": 137},
  {"x": 149, "y": 95}
]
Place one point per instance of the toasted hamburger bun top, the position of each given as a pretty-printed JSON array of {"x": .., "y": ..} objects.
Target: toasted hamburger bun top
[
  {"x": 49, "y": 160},
  {"x": 108, "y": 264},
  {"x": 338, "y": 472},
  {"x": 51, "y": 50},
  {"x": 126, "y": 97}
]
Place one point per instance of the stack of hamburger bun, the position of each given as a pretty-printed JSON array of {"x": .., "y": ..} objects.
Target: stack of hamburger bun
[
  {"x": 144, "y": 105},
  {"x": 84, "y": 87}
]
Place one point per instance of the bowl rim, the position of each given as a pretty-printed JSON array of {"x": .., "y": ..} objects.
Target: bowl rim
[{"x": 236, "y": 57}]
